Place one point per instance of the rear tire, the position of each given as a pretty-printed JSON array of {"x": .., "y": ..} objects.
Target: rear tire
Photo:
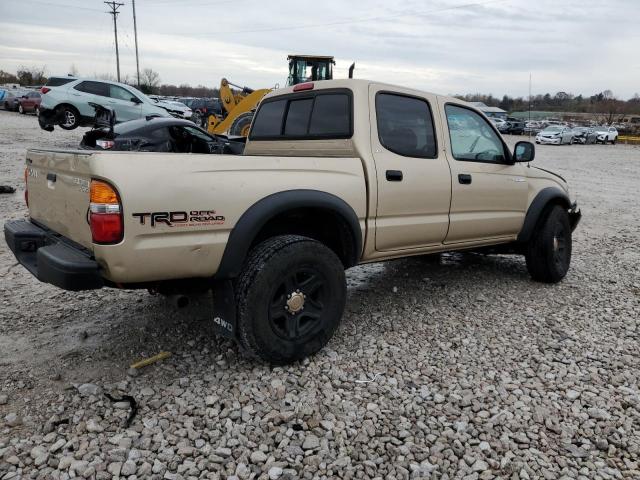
[
  {"x": 240, "y": 126},
  {"x": 21, "y": 109},
  {"x": 548, "y": 252},
  {"x": 290, "y": 298},
  {"x": 71, "y": 117}
]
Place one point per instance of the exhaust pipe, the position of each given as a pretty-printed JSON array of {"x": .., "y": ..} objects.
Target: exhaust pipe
[{"x": 351, "y": 68}]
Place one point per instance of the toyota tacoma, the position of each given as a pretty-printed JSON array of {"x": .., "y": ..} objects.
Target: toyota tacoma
[{"x": 334, "y": 174}]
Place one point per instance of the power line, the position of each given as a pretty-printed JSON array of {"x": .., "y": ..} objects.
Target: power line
[{"x": 114, "y": 11}]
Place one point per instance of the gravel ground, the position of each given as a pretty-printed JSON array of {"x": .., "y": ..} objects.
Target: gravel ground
[{"x": 455, "y": 366}]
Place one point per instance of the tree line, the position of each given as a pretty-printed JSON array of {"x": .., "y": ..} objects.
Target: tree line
[
  {"x": 149, "y": 81},
  {"x": 604, "y": 102}
]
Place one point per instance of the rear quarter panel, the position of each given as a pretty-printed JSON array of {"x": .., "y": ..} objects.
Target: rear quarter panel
[{"x": 225, "y": 186}]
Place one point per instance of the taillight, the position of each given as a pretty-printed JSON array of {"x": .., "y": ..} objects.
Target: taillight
[
  {"x": 105, "y": 144},
  {"x": 105, "y": 213},
  {"x": 26, "y": 190},
  {"x": 303, "y": 86},
  {"x": 45, "y": 90}
]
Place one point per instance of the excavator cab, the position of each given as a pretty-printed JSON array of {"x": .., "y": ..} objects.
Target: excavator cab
[{"x": 308, "y": 68}]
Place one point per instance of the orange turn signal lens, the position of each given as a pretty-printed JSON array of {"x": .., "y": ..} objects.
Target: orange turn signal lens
[{"x": 102, "y": 192}]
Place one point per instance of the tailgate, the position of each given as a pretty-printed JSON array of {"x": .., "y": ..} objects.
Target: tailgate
[{"x": 58, "y": 186}]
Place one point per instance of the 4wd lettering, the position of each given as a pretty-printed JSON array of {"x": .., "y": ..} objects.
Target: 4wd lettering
[{"x": 193, "y": 218}]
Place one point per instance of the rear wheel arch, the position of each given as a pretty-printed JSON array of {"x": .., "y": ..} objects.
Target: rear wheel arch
[
  {"x": 310, "y": 213},
  {"x": 543, "y": 202}
]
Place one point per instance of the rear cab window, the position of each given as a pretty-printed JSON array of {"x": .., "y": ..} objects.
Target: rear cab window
[{"x": 320, "y": 114}]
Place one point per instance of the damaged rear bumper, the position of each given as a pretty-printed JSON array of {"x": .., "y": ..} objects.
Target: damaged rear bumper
[
  {"x": 48, "y": 118},
  {"x": 51, "y": 258}
]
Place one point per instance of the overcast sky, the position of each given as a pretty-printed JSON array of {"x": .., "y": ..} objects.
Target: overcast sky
[{"x": 443, "y": 46}]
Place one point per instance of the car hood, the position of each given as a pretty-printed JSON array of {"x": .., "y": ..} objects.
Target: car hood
[{"x": 548, "y": 134}]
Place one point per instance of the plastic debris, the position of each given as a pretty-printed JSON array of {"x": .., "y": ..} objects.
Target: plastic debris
[{"x": 132, "y": 404}]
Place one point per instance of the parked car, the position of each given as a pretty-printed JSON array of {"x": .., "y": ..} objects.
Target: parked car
[
  {"x": 533, "y": 127},
  {"x": 179, "y": 109},
  {"x": 202, "y": 108},
  {"x": 498, "y": 122},
  {"x": 340, "y": 173},
  {"x": 555, "y": 135},
  {"x": 512, "y": 126},
  {"x": 606, "y": 134},
  {"x": 584, "y": 135},
  {"x": 12, "y": 97},
  {"x": 154, "y": 134},
  {"x": 29, "y": 103},
  {"x": 68, "y": 105}
]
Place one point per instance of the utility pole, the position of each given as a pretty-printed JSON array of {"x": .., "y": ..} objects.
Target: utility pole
[
  {"x": 114, "y": 11},
  {"x": 135, "y": 35}
]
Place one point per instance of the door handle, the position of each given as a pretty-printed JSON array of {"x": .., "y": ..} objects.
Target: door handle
[
  {"x": 464, "y": 178},
  {"x": 394, "y": 175}
]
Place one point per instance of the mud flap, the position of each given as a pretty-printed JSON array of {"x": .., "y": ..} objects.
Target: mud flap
[{"x": 224, "y": 309}]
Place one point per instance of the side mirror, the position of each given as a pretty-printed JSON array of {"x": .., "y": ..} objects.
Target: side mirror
[
  {"x": 136, "y": 100},
  {"x": 524, "y": 152}
]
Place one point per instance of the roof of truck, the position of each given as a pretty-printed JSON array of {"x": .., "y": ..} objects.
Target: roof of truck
[{"x": 362, "y": 85}]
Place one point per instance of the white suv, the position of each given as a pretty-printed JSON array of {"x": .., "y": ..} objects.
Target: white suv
[
  {"x": 69, "y": 105},
  {"x": 606, "y": 134}
]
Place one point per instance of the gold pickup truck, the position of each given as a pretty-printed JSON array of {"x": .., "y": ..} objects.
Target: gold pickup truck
[{"x": 334, "y": 174}]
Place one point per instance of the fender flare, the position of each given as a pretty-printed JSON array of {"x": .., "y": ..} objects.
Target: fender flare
[
  {"x": 537, "y": 208},
  {"x": 257, "y": 216}
]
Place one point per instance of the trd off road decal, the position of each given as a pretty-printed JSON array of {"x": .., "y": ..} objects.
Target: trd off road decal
[{"x": 193, "y": 218}]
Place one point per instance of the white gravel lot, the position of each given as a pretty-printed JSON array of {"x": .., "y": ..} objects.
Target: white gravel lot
[{"x": 455, "y": 366}]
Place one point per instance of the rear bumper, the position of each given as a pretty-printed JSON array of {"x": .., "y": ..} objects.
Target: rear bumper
[{"x": 51, "y": 258}]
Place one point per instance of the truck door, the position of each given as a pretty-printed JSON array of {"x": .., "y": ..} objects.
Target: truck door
[
  {"x": 489, "y": 193},
  {"x": 413, "y": 177}
]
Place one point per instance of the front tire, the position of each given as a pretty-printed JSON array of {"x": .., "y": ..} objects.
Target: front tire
[
  {"x": 290, "y": 298},
  {"x": 21, "y": 109},
  {"x": 548, "y": 252}
]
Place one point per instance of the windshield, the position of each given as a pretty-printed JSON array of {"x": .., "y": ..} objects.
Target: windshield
[{"x": 553, "y": 129}]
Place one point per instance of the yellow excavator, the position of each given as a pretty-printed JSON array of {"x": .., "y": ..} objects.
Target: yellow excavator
[{"x": 238, "y": 107}]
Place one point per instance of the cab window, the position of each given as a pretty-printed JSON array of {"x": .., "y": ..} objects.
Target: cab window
[
  {"x": 323, "y": 114},
  {"x": 405, "y": 125},
  {"x": 472, "y": 138}
]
